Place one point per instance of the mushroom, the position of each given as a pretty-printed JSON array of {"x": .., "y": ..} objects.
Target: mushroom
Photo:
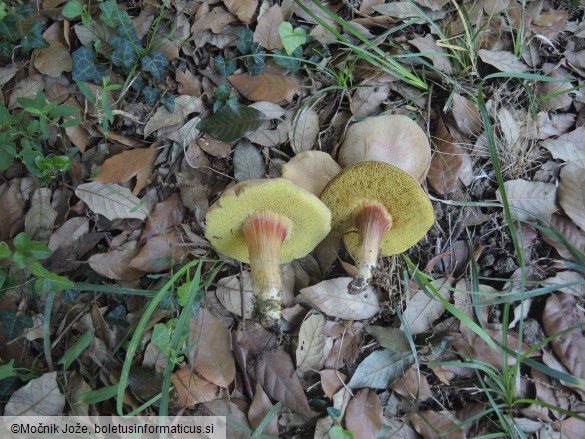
[
  {"x": 392, "y": 139},
  {"x": 311, "y": 170},
  {"x": 380, "y": 209},
  {"x": 267, "y": 223}
]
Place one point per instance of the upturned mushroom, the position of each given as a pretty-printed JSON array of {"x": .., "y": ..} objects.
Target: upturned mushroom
[
  {"x": 380, "y": 209},
  {"x": 267, "y": 223},
  {"x": 311, "y": 170},
  {"x": 392, "y": 139}
]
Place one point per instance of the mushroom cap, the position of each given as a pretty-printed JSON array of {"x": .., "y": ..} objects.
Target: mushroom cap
[
  {"x": 407, "y": 203},
  {"x": 311, "y": 170},
  {"x": 392, "y": 139},
  {"x": 309, "y": 220}
]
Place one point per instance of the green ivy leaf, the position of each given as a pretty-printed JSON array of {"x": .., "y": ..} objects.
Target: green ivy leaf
[
  {"x": 8, "y": 28},
  {"x": 27, "y": 251},
  {"x": 48, "y": 281},
  {"x": 254, "y": 64},
  {"x": 245, "y": 40},
  {"x": 155, "y": 63},
  {"x": 161, "y": 335},
  {"x": 13, "y": 325},
  {"x": 114, "y": 16},
  {"x": 123, "y": 54},
  {"x": 7, "y": 151},
  {"x": 3, "y": 11},
  {"x": 225, "y": 67},
  {"x": 338, "y": 432},
  {"x": 72, "y": 9},
  {"x": 232, "y": 122},
  {"x": 291, "y": 38},
  {"x": 151, "y": 95},
  {"x": 291, "y": 62},
  {"x": 84, "y": 66},
  {"x": 168, "y": 100},
  {"x": 4, "y": 250},
  {"x": 33, "y": 38}
]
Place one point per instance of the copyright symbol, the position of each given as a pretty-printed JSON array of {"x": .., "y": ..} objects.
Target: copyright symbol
[{"x": 14, "y": 428}]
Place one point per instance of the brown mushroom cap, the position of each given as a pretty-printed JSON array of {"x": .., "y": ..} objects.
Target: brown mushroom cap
[
  {"x": 392, "y": 139},
  {"x": 408, "y": 205},
  {"x": 309, "y": 220},
  {"x": 311, "y": 170}
]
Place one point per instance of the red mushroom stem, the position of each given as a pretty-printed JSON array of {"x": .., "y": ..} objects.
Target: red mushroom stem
[
  {"x": 264, "y": 233},
  {"x": 372, "y": 220}
]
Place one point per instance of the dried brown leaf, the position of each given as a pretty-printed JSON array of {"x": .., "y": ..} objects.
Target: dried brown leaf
[
  {"x": 332, "y": 297},
  {"x": 214, "y": 147},
  {"x": 266, "y": 33},
  {"x": 111, "y": 200},
  {"x": 413, "y": 385},
  {"x": 310, "y": 351},
  {"x": 39, "y": 220},
  {"x": 243, "y": 9},
  {"x": 429, "y": 49},
  {"x": 502, "y": 60},
  {"x": 446, "y": 162},
  {"x": 70, "y": 231},
  {"x": 431, "y": 424},
  {"x": 167, "y": 214},
  {"x": 366, "y": 100},
  {"x": 122, "y": 167},
  {"x": 554, "y": 95},
  {"x": 565, "y": 277},
  {"x": 265, "y": 87},
  {"x": 212, "y": 356},
  {"x": 193, "y": 389},
  {"x": 276, "y": 373},
  {"x": 259, "y": 408},
  {"x": 573, "y": 234},
  {"x": 159, "y": 253},
  {"x": 115, "y": 264},
  {"x": 53, "y": 60},
  {"x": 26, "y": 88},
  {"x": 568, "y": 147},
  {"x": 215, "y": 20},
  {"x": 530, "y": 196},
  {"x": 331, "y": 381},
  {"x": 12, "y": 208},
  {"x": 572, "y": 193},
  {"x": 423, "y": 310},
  {"x": 184, "y": 105},
  {"x": 561, "y": 313},
  {"x": 363, "y": 415},
  {"x": 305, "y": 130},
  {"x": 466, "y": 115},
  {"x": 230, "y": 290},
  {"x": 40, "y": 397}
]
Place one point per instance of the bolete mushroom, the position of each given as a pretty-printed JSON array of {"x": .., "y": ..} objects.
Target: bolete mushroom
[
  {"x": 380, "y": 209},
  {"x": 392, "y": 139},
  {"x": 267, "y": 223},
  {"x": 311, "y": 170}
]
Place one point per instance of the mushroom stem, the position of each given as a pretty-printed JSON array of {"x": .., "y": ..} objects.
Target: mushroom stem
[
  {"x": 372, "y": 220},
  {"x": 264, "y": 233}
]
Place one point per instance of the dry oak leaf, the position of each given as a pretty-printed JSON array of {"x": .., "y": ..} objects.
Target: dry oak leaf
[
  {"x": 122, "y": 167},
  {"x": 259, "y": 408},
  {"x": 111, "y": 200},
  {"x": 530, "y": 196},
  {"x": 364, "y": 416},
  {"x": 215, "y": 20},
  {"x": 266, "y": 33},
  {"x": 193, "y": 389},
  {"x": 332, "y": 297},
  {"x": 265, "y": 87},
  {"x": 572, "y": 193},
  {"x": 115, "y": 263},
  {"x": 561, "y": 313},
  {"x": 159, "y": 253},
  {"x": 184, "y": 105},
  {"x": 243, "y": 9},
  {"x": 53, "y": 60},
  {"x": 447, "y": 161},
  {"x": 431, "y": 424},
  {"x": 276, "y": 373},
  {"x": 212, "y": 356}
]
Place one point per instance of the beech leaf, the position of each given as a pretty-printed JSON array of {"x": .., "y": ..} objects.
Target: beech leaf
[
  {"x": 232, "y": 122},
  {"x": 363, "y": 415},
  {"x": 447, "y": 161},
  {"x": 193, "y": 389},
  {"x": 248, "y": 162},
  {"x": 502, "y": 60},
  {"x": 266, "y": 33},
  {"x": 305, "y": 130},
  {"x": 122, "y": 167},
  {"x": 568, "y": 147},
  {"x": 40, "y": 397},
  {"x": 422, "y": 309}
]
